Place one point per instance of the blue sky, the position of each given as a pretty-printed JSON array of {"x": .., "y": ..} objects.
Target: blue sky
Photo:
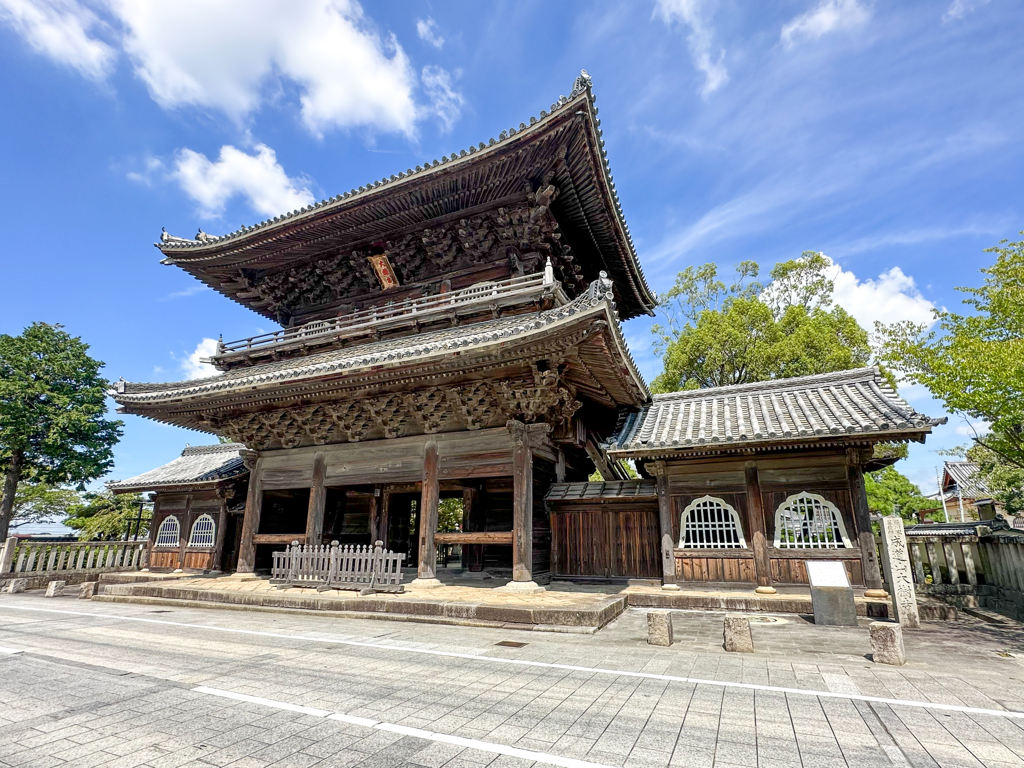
[{"x": 887, "y": 135}]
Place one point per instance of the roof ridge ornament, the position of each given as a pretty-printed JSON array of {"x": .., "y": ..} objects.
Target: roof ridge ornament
[{"x": 581, "y": 84}]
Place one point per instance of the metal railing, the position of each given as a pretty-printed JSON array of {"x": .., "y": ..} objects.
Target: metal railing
[
  {"x": 396, "y": 314},
  {"x": 37, "y": 557}
]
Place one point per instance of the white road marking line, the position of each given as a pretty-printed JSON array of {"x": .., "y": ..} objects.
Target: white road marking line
[
  {"x": 548, "y": 665},
  {"x": 9, "y": 650},
  {"x": 405, "y": 730}
]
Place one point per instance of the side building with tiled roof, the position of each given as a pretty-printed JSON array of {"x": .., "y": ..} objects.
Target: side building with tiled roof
[{"x": 198, "y": 500}]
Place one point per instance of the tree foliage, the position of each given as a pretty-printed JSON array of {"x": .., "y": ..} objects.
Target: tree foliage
[
  {"x": 41, "y": 503},
  {"x": 747, "y": 331},
  {"x": 52, "y": 406},
  {"x": 449, "y": 515},
  {"x": 105, "y": 516},
  {"x": 890, "y": 492},
  {"x": 974, "y": 363}
]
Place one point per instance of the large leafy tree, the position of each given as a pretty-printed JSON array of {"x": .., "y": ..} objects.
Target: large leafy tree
[
  {"x": 106, "y": 516},
  {"x": 748, "y": 331},
  {"x": 52, "y": 406},
  {"x": 974, "y": 363}
]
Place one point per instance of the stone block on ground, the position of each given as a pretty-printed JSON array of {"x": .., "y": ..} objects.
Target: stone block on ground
[
  {"x": 737, "y": 635},
  {"x": 55, "y": 588},
  {"x": 17, "y": 585},
  {"x": 659, "y": 628},
  {"x": 887, "y": 643},
  {"x": 87, "y": 590}
]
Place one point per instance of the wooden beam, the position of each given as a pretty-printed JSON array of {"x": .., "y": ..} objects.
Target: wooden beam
[
  {"x": 756, "y": 524},
  {"x": 480, "y": 537},
  {"x": 375, "y": 515},
  {"x": 862, "y": 519},
  {"x": 251, "y": 521},
  {"x": 184, "y": 532},
  {"x": 278, "y": 538},
  {"x": 317, "y": 500},
  {"x": 473, "y": 522},
  {"x": 667, "y": 540},
  {"x": 222, "y": 526},
  {"x": 428, "y": 513}
]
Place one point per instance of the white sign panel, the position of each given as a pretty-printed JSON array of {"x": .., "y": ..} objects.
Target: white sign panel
[{"x": 826, "y": 573}]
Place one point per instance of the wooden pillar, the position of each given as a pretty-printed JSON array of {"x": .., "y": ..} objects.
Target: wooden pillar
[
  {"x": 472, "y": 522},
  {"x": 251, "y": 521},
  {"x": 317, "y": 500},
  {"x": 666, "y": 539},
  {"x": 862, "y": 517},
  {"x": 183, "y": 532},
  {"x": 758, "y": 532},
  {"x": 376, "y": 512},
  {"x": 522, "y": 503},
  {"x": 222, "y": 531},
  {"x": 425, "y": 576}
]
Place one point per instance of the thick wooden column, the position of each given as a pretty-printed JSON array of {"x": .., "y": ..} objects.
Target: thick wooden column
[
  {"x": 522, "y": 505},
  {"x": 251, "y": 521},
  {"x": 862, "y": 518},
  {"x": 425, "y": 575},
  {"x": 184, "y": 532},
  {"x": 375, "y": 515},
  {"x": 317, "y": 500},
  {"x": 472, "y": 522},
  {"x": 222, "y": 532},
  {"x": 758, "y": 536},
  {"x": 666, "y": 542}
]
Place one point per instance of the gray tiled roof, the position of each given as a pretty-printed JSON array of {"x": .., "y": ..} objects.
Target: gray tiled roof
[
  {"x": 197, "y": 465},
  {"x": 611, "y": 489},
  {"x": 850, "y": 403},
  {"x": 387, "y": 352},
  {"x": 965, "y": 476}
]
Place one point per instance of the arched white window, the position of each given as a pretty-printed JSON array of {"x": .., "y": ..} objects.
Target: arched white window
[
  {"x": 809, "y": 521},
  {"x": 202, "y": 534},
  {"x": 710, "y": 523},
  {"x": 169, "y": 532}
]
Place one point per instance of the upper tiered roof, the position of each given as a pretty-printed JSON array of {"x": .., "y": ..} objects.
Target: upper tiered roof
[{"x": 562, "y": 148}]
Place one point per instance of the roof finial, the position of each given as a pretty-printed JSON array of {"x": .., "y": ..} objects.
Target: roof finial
[
  {"x": 549, "y": 272},
  {"x": 164, "y": 237},
  {"x": 582, "y": 83}
]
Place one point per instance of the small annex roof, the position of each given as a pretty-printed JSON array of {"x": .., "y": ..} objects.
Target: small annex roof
[
  {"x": 609, "y": 490},
  {"x": 199, "y": 466},
  {"x": 846, "y": 404},
  {"x": 964, "y": 476},
  {"x": 564, "y": 146},
  {"x": 263, "y": 381}
]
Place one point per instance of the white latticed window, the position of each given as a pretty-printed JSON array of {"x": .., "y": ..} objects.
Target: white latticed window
[
  {"x": 710, "y": 523},
  {"x": 168, "y": 533},
  {"x": 202, "y": 532},
  {"x": 809, "y": 521}
]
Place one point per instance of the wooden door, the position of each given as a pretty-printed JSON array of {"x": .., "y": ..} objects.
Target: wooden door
[{"x": 605, "y": 542}]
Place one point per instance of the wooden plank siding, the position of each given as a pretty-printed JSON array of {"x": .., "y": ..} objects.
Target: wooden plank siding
[{"x": 606, "y": 540}]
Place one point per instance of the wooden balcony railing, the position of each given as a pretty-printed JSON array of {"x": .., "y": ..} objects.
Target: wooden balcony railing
[{"x": 476, "y": 298}]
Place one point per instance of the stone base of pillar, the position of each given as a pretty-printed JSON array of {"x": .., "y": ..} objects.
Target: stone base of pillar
[
  {"x": 424, "y": 584},
  {"x": 178, "y": 570},
  {"x": 881, "y": 594},
  {"x": 523, "y": 587},
  {"x": 670, "y": 587},
  {"x": 766, "y": 591},
  {"x": 476, "y": 575},
  {"x": 242, "y": 576}
]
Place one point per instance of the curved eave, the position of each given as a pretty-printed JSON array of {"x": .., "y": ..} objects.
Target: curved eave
[
  {"x": 201, "y": 485},
  {"x": 190, "y": 255}
]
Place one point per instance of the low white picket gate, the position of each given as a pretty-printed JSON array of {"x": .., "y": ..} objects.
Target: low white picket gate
[
  {"x": 36, "y": 557},
  {"x": 363, "y": 568}
]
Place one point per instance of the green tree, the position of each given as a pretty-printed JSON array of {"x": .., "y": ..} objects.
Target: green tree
[
  {"x": 718, "y": 335},
  {"x": 106, "y": 516},
  {"x": 449, "y": 515},
  {"x": 52, "y": 428},
  {"x": 974, "y": 363},
  {"x": 890, "y": 492},
  {"x": 40, "y": 503}
]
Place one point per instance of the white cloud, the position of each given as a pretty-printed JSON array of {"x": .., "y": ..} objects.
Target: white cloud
[
  {"x": 192, "y": 291},
  {"x": 258, "y": 177},
  {"x": 827, "y": 16},
  {"x": 446, "y": 102},
  {"x": 890, "y": 298},
  {"x": 960, "y": 8},
  {"x": 193, "y": 366},
  {"x": 60, "y": 29},
  {"x": 428, "y": 32},
  {"x": 699, "y": 39}
]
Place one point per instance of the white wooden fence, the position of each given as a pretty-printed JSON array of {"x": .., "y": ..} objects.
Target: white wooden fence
[
  {"x": 364, "y": 568},
  {"x": 37, "y": 557}
]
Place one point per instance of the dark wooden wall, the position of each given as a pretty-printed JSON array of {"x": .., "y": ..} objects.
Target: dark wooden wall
[
  {"x": 187, "y": 511},
  {"x": 607, "y": 540}
]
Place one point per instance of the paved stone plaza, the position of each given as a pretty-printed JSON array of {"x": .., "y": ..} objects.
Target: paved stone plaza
[{"x": 101, "y": 684}]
